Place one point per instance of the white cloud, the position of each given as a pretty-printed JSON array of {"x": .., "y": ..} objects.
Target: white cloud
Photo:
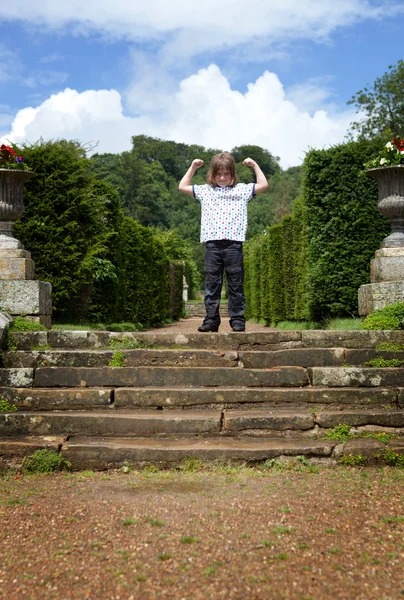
[
  {"x": 204, "y": 110},
  {"x": 188, "y": 28}
]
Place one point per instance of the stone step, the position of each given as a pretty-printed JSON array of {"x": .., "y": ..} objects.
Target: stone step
[
  {"x": 356, "y": 377},
  {"x": 133, "y": 358},
  {"x": 303, "y": 357},
  {"x": 265, "y": 397},
  {"x": 312, "y": 357},
  {"x": 292, "y": 420},
  {"x": 271, "y": 340},
  {"x": 288, "y": 423},
  {"x": 218, "y": 398},
  {"x": 170, "y": 376},
  {"x": 100, "y": 453},
  {"x": 111, "y": 423},
  {"x": 58, "y": 399},
  {"x": 197, "y": 309}
]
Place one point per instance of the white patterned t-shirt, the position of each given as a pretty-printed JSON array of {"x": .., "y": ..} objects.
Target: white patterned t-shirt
[{"x": 224, "y": 211}]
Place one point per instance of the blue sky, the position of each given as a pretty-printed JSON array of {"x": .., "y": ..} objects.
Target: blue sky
[{"x": 217, "y": 75}]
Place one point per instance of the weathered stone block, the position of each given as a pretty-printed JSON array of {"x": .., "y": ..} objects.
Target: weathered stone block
[
  {"x": 26, "y": 297},
  {"x": 60, "y": 399},
  {"x": 235, "y": 420},
  {"x": 16, "y": 377},
  {"x": 384, "y": 418},
  {"x": 388, "y": 265},
  {"x": 110, "y": 424},
  {"x": 374, "y": 296},
  {"x": 302, "y": 357},
  {"x": 356, "y": 377},
  {"x": 16, "y": 268},
  {"x": 170, "y": 376}
]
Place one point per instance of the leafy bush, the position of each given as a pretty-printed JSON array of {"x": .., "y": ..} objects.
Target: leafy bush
[
  {"x": 125, "y": 327},
  {"x": 117, "y": 360},
  {"x": 44, "y": 461},
  {"x": 6, "y": 406},
  {"x": 380, "y": 362},
  {"x": 21, "y": 324},
  {"x": 390, "y": 317}
]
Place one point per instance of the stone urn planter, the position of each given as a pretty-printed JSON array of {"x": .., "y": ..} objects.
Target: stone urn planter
[
  {"x": 11, "y": 204},
  {"x": 387, "y": 268},
  {"x": 390, "y": 185}
]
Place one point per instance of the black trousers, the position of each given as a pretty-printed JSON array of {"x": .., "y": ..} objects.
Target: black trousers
[{"x": 224, "y": 255}]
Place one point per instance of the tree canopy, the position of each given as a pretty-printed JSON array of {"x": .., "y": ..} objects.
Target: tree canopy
[
  {"x": 382, "y": 104},
  {"x": 147, "y": 178}
]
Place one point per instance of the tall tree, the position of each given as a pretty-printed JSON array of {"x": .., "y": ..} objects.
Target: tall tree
[{"x": 382, "y": 104}]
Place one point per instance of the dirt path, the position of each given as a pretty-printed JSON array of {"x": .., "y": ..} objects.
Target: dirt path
[
  {"x": 191, "y": 325},
  {"x": 295, "y": 534}
]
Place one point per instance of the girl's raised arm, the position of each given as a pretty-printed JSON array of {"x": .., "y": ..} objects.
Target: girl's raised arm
[
  {"x": 262, "y": 183},
  {"x": 185, "y": 183}
]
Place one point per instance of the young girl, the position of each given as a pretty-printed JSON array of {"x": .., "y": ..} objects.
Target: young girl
[{"x": 223, "y": 229}]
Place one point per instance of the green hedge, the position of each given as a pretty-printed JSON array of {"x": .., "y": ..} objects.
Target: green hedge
[
  {"x": 177, "y": 304},
  {"x": 103, "y": 266},
  {"x": 311, "y": 265},
  {"x": 344, "y": 226}
]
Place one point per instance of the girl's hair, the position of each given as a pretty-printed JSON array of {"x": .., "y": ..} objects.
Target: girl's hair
[{"x": 222, "y": 160}]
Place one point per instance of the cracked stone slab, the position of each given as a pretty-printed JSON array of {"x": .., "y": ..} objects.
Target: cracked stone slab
[
  {"x": 111, "y": 423},
  {"x": 356, "y": 376},
  {"x": 16, "y": 377},
  {"x": 58, "y": 399},
  {"x": 385, "y": 418},
  {"x": 308, "y": 396},
  {"x": 350, "y": 339},
  {"x": 93, "y": 453},
  {"x": 235, "y": 420},
  {"x": 170, "y": 376},
  {"x": 302, "y": 357},
  {"x": 132, "y": 358}
]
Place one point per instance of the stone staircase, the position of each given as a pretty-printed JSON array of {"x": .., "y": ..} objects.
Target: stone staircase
[
  {"x": 237, "y": 396},
  {"x": 197, "y": 309}
]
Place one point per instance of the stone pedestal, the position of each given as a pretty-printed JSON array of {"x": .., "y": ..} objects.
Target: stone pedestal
[
  {"x": 29, "y": 299},
  {"x": 379, "y": 295},
  {"x": 387, "y": 268},
  {"x": 388, "y": 265}
]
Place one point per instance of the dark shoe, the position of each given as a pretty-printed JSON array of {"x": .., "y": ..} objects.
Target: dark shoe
[
  {"x": 238, "y": 326},
  {"x": 206, "y": 327}
]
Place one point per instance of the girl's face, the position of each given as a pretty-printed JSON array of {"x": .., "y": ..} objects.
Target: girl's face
[{"x": 223, "y": 177}]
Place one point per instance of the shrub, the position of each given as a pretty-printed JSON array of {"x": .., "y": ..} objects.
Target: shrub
[
  {"x": 390, "y": 317},
  {"x": 6, "y": 406},
  {"x": 44, "y": 461}
]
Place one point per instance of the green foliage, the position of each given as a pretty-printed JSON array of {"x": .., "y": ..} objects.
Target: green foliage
[
  {"x": 6, "y": 406},
  {"x": 380, "y": 362},
  {"x": 21, "y": 324},
  {"x": 128, "y": 343},
  {"x": 389, "y": 317},
  {"x": 277, "y": 275},
  {"x": 339, "y": 432},
  {"x": 382, "y": 104},
  {"x": 349, "y": 324},
  {"x": 344, "y": 227},
  {"x": 390, "y": 347},
  {"x": 44, "y": 461},
  {"x": 117, "y": 360},
  {"x": 394, "y": 459},
  {"x": 177, "y": 305},
  {"x": 119, "y": 327},
  {"x": 353, "y": 460}
]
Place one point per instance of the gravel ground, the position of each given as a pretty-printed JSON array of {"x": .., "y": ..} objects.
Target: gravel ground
[{"x": 235, "y": 533}]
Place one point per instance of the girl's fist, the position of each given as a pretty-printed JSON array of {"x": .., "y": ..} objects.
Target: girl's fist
[{"x": 197, "y": 162}]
